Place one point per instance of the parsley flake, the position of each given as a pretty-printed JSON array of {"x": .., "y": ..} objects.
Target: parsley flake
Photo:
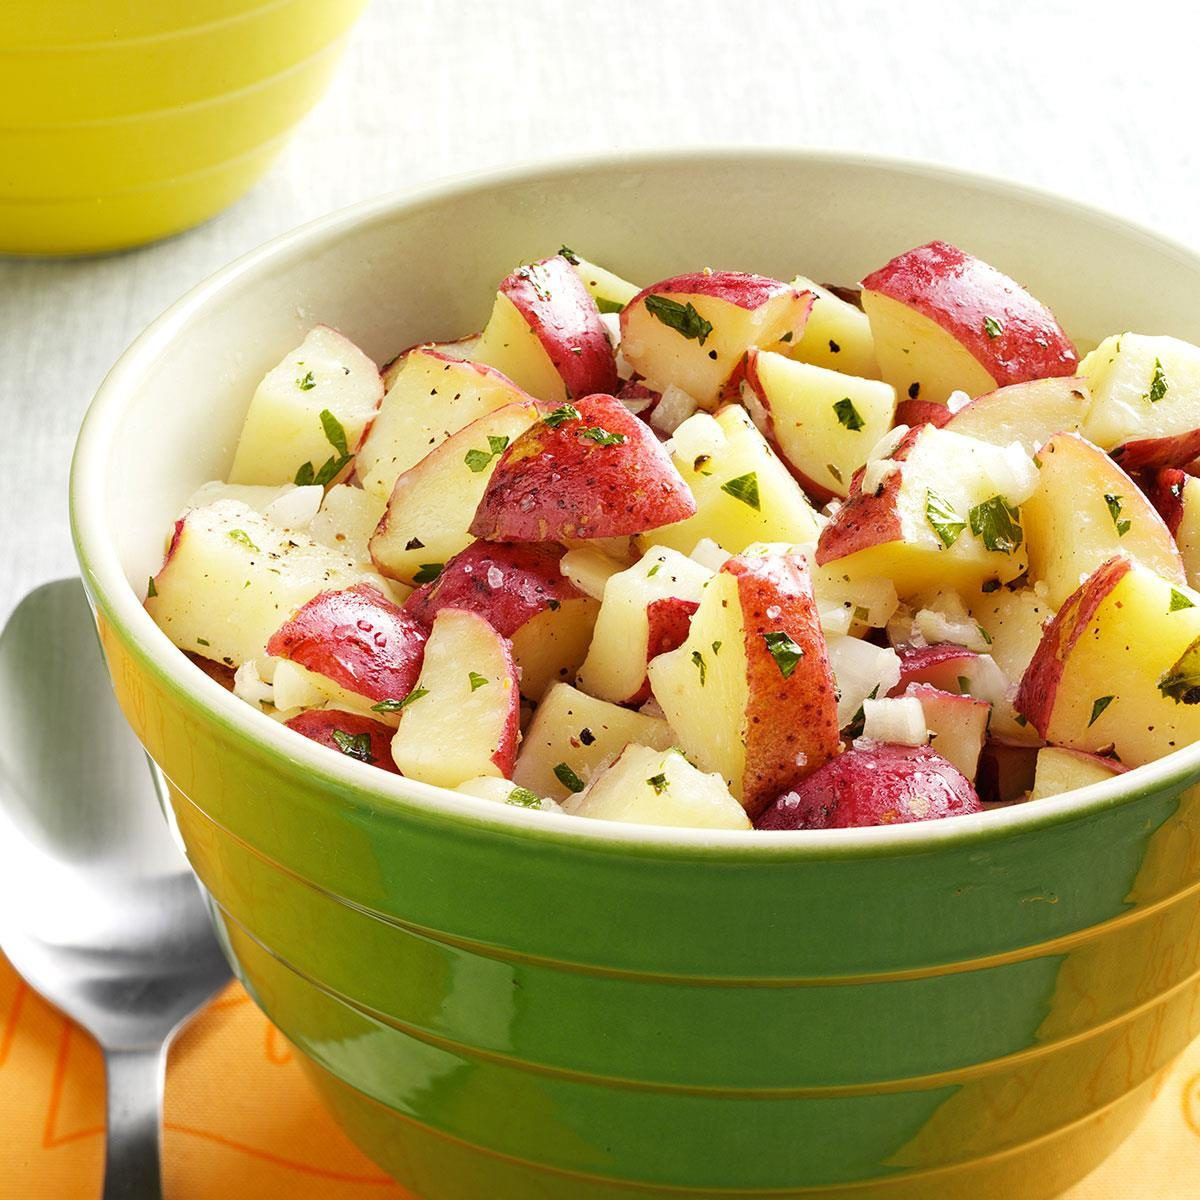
[
  {"x": 1182, "y": 682},
  {"x": 523, "y": 798},
  {"x": 605, "y": 305},
  {"x": 151, "y": 590},
  {"x": 716, "y": 648},
  {"x": 992, "y": 328},
  {"x": 654, "y": 570},
  {"x": 335, "y": 435},
  {"x": 428, "y": 572},
  {"x": 568, "y": 778},
  {"x": 203, "y": 642},
  {"x": 395, "y": 706},
  {"x": 784, "y": 651},
  {"x": 942, "y": 518},
  {"x": 1098, "y": 707},
  {"x": 357, "y": 745},
  {"x": 476, "y": 680},
  {"x": 658, "y": 783},
  {"x": 848, "y": 415},
  {"x": 243, "y": 539},
  {"x": 1158, "y": 384},
  {"x": 602, "y": 437},
  {"x": 564, "y": 412},
  {"x": 306, "y": 383},
  {"x": 569, "y": 254},
  {"x": 1178, "y": 600},
  {"x": 477, "y": 460},
  {"x": 745, "y": 489},
  {"x": 1114, "y": 511},
  {"x": 995, "y": 522},
  {"x": 683, "y": 318},
  {"x": 700, "y": 665}
]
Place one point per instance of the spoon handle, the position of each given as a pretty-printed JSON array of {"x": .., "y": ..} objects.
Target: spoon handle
[{"x": 135, "y": 1086}]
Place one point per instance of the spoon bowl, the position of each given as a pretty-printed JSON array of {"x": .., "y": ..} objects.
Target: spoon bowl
[{"x": 99, "y": 910}]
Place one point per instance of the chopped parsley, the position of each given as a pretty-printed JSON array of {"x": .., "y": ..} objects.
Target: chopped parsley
[
  {"x": 203, "y": 642},
  {"x": 784, "y": 651},
  {"x": 1114, "y": 511},
  {"x": 1098, "y": 707},
  {"x": 568, "y": 778},
  {"x": 700, "y": 665},
  {"x": 1158, "y": 383},
  {"x": 478, "y": 460},
  {"x": 1178, "y": 600},
  {"x": 428, "y": 572},
  {"x": 243, "y": 539},
  {"x": 357, "y": 745},
  {"x": 716, "y": 648},
  {"x": 943, "y": 520},
  {"x": 564, "y": 412},
  {"x": 745, "y": 489},
  {"x": 995, "y": 522},
  {"x": 151, "y": 590},
  {"x": 604, "y": 305},
  {"x": 1182, "y": 682},
  {"x": 335, "y": 435},
  {"x": 476, "y": 680},
  {"x": 602, "y": 437},
  {"x": 992, "y": 327},
  {"x": 848, "y": 415},
  {"x": 658, "y": 783},
  {"x": 523, "y": 798},
  {"x": 569, "y": 254},
  {"x": 964, "y": 684},
  {"x": 306, "y": 383},
  {"x": 395, "y": 706},
  {"x": 654, "y": 570},
  {"x": 983, "y": 633},
  {"x": 683, "y": 318},
  {"x": 414, "y": 543},
  {"x": 834, "y": 472}
]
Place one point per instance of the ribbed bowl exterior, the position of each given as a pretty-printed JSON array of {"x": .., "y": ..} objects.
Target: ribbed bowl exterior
[
  {"x": 506, "y": 1005},
  {"x": 107, "y": 143}
]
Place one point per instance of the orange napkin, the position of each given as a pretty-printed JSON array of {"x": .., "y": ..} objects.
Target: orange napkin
[{"x": 242, "y": 1121}]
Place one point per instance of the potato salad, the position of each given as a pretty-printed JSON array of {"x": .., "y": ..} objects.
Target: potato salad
[{"x": 725, "y": 551}]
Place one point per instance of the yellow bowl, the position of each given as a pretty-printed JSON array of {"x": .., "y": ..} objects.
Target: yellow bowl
[{"x": 141, "y": 126}]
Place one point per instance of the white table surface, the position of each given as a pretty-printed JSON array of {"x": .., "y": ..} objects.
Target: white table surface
[{"x": 1096, "y": 101}]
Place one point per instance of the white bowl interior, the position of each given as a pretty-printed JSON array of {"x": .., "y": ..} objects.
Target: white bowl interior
[{"x": 398, "y": 271}]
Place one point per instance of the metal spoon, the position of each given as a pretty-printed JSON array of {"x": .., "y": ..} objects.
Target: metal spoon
[{"x": 98, "y": 908}]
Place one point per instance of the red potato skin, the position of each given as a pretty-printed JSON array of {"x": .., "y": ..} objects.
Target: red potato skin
[
  {"x": 1039, "y": 685},
  {"x": 879, "y": 784},
  {"x": 561, "y": 311},
  {"x": 957, "y": 291},
  {"x": 553, "y": 482},
  {"x": 1166, "y": 489},
  {"x": 670, "y": 619},
  {"x": 218, "y": 672},
  {"x": 939, "y": 666},
  {"x": 791, "y": 726},
  {"x": 530, "y": 582},
  {"x": 866, "y": 519},
  {"x": 915, "y": 413},
  {"x": 319, "y": 724},
  {"x": 358, "y": 638},
  {"x": 645, "y": 399},
  {"x": 1149, "y": 454},
  {"x": 734, "y": 287}
]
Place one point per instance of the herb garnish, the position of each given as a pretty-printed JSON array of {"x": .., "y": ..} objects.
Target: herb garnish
[
  {"x": 335, "y": 435},
  {"x": 476, "y": 680},
  {"x": 602, "y": 437},
  {"x": 658, "y": 783},
  {"x": 943, "y": 520},
  {"x": 356, "y": 745},
  {"x": 1158, "y": 384},
  {"x": 1178, "y": 601},
  {"x": 1114, "y": 511},
  {"x": 307, "y": 383},
  {"x": 848, "y": 415},
  {"x": 683, "y": 318},
  {"x": 1182, "y": 682},
  {"x": 151, "y": 590},
  {"x": 784, "y": 651},
  {"x": 569, "y": 254},
  {"x": 428, "y": 572},
  {"x": 701, "y": 665},
  {"x": 995, "y": 521},
  {"x": 1098, "y": 707},
  {"x": 564, "y": 412},
  {"x": 745, "y": 489},
  {"x": 568, "y": 778},
  {"x": 243, "y": 539},
  {"x": 478, "y": 460},
  {"x": 523, "y": 798},
  {"x": 395, "y": 706},
  {"x": 992, "y": 327}
]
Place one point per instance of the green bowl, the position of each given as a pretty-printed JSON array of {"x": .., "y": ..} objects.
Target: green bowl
[{"x": 508, "y": 1004}]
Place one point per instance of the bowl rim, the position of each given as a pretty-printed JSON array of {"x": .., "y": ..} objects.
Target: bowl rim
[{"x": 362, "y": 787}]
